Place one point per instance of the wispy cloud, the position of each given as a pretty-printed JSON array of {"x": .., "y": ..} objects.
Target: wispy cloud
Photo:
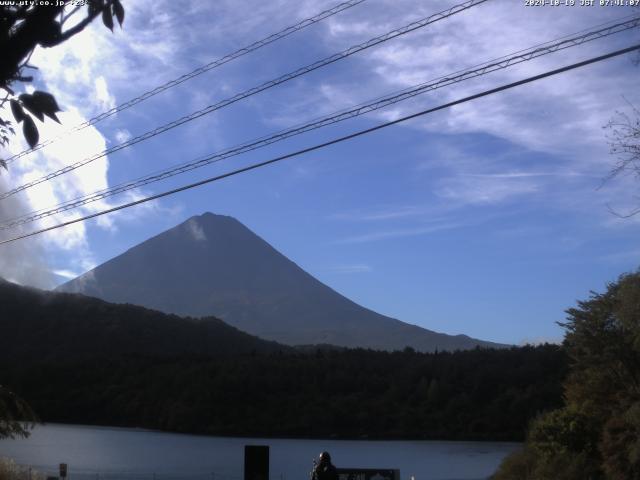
[
  {"x": 399, "y": 233},
  {"x": 473, "y": 189},
  {"x": 510, "y": 175},
  {"x": 65, "y": 274},
  {"x": 349, "y": 269},
  {"x": 573, "y": 102},
  {"x": 383, "y": 213}
]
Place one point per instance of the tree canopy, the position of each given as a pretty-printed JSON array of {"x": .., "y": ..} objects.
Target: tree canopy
[{"x": 596, "y": 435}]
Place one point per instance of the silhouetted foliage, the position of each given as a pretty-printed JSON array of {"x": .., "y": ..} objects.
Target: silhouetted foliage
[
  {"x": 16, "y": 417},
  {"x": 57, "y": 326},
  {"x": 82, "y": 360},
  {"x": 25, "y": 26},
  {"x": 596, "y": 435},
  {"x": 356, "y": 393}
]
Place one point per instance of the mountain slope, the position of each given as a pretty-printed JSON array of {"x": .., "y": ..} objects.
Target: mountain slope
[
  {"x": 45, "y": 326},
  {"x": 214, "y": 265}
]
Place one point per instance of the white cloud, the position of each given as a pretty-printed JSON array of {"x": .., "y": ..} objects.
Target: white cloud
[
  {"x": 67, "y": 274},
  {"x": 66, "y": 187},
  {"x": 82, "y": 73},
  {"x": 96, "y": 69},
  {"x": 196, "y": 231},
  {"x": 122, "y": 135},
  {"x": 23, "y": 261},
  {"x": 559, "y": 115},
  {"x": 106, "y": 100}
]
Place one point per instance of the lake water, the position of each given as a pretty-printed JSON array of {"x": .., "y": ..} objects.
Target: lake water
[{"x": 98, "y": 453}]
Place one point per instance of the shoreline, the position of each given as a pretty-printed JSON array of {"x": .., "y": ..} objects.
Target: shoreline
[{"x": 278, "y": 437}]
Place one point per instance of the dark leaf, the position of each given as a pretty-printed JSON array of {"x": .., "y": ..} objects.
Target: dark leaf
[
  {"x": 47, "y": 104},
  {"x": 17, "y": 111},
  {"x": 32, "y": 105},
  {"x": 107, "y": 19},
  {"x": 53, "y": 116},
  {"x": 30, "y": 131},
  {"x": 95, "y": 6},
  {"x": 118, "y": 11},
  {"x": 47, "y": 101},
  {"x": 3, "y": 164}
]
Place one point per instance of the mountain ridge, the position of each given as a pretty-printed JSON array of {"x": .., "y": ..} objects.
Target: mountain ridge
[
  {"x": 213, "y": 265},
  {"x": 39, "y": 325}
]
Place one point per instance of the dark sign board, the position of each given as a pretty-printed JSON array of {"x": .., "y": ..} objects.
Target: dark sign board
[{"x": 256, "y": 462}]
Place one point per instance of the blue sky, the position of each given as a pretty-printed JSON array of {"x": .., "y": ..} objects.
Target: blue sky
[{"x": 484, "y": 219}]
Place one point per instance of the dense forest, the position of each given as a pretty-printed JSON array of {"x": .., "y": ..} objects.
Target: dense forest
[
  {"x": 81, "y": 360},
  {"x": 478, "y": 394}
]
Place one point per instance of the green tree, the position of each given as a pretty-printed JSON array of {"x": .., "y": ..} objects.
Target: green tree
[
  {"x": 621, "y": 445},
  {"x": 597, "y": 433},
  {"x": 23, "y": 27},
  {"x": 603, "y": 341}
]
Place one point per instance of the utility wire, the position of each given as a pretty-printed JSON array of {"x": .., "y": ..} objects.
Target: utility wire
[
  {"x": 483, "y": 69},
  {"x": 194, "y": 73},
  {"x": 247, "y": 93},
  {"x": 331, "y": 142}
]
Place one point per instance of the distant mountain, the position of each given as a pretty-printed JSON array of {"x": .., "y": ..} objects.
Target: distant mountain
[
  {"x": 214, "y": 265},
  {"x": 39, "y": 326}
]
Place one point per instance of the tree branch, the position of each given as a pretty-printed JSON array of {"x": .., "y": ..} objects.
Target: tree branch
[
  {"x": 81, "y": 25},
  {"x": 69, "y": 15}
]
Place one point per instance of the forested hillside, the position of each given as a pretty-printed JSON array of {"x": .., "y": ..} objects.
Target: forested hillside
[
  {"x": 45, "y": 326},
  {"x": 477, "y": 394},
  {"x": 81, "y": 360}
]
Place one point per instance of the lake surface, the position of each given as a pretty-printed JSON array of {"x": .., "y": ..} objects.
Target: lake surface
[{"x": 101, "y": 453}]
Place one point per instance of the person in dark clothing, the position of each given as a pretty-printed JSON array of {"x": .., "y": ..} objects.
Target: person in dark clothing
[{"x": 324, "y": 469}]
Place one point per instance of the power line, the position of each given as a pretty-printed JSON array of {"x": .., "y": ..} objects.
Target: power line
[
  {"x": 253, "y": 91},
  {"x": 331, "y": 142},
  {"x": 198, "y": 71},
  {"x": 382, "y": 102}
]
